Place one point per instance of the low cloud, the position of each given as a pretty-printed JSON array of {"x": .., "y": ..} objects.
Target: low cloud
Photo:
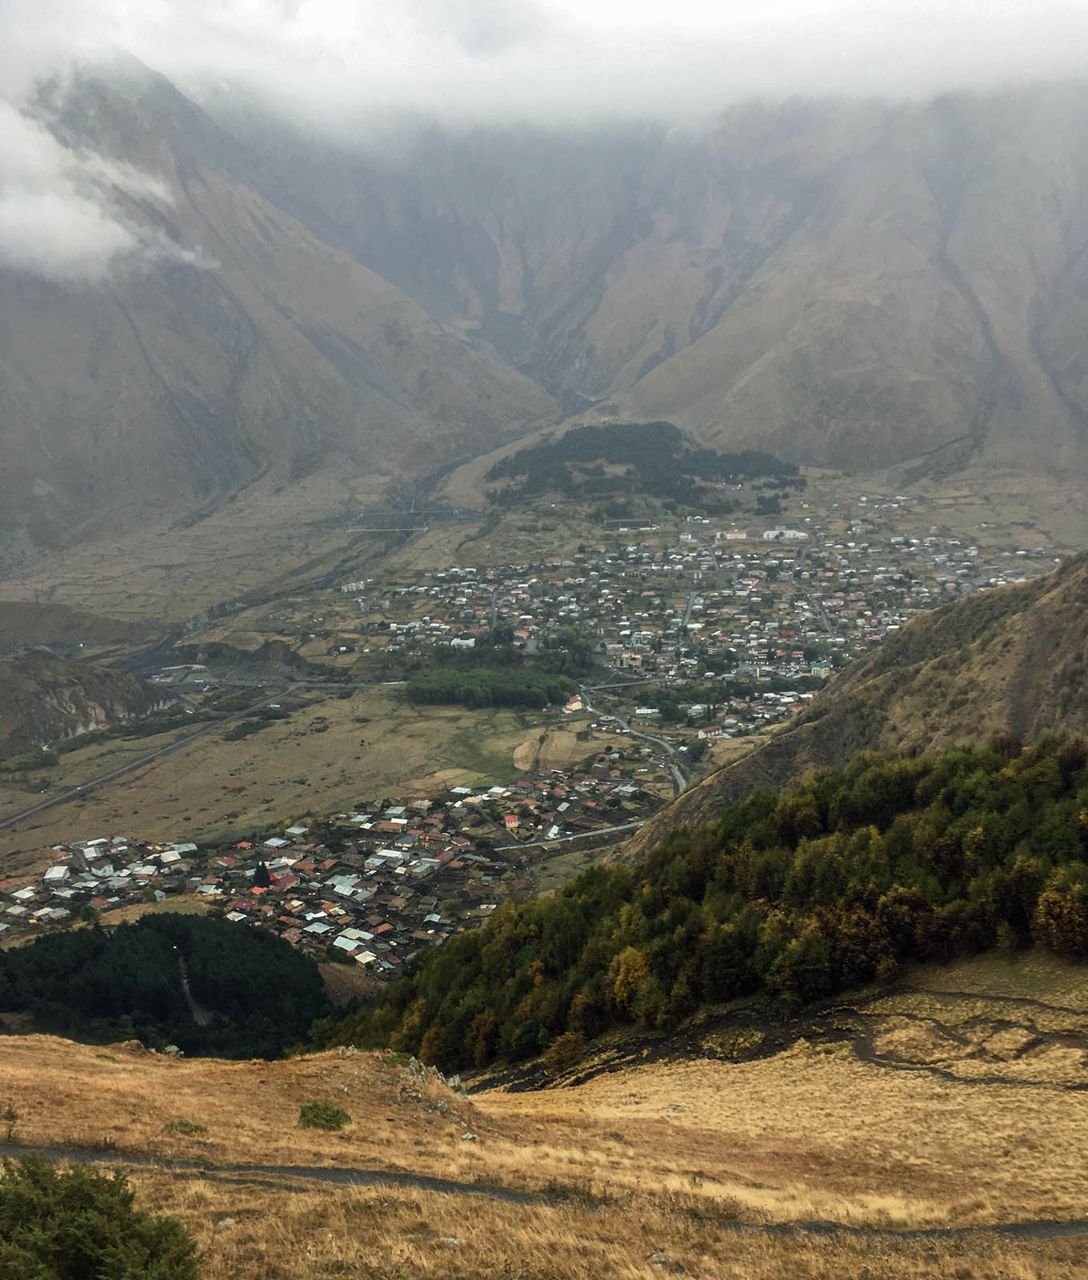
[
  {"x": 348, "y": 66},
  {"x": 61, "y": 210},
  {"x": 485, "y": 61}
]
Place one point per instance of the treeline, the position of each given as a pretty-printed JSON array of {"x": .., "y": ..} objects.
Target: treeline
[
  {"x": 656, "y": 460},
  {"x": 564, "y": 652},
  {"x": 798, "y": 895},
  {"x": 254, "y": 993},
  {"x": 489, "y": 687}
]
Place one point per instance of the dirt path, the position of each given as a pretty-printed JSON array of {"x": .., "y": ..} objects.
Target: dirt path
[
  {"x": 200, "y": 1015},
  {"x": 1040, "y": 1229}
]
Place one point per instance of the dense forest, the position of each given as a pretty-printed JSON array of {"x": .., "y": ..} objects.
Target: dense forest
[
  {"x": 795, "y": 895},
  {"x": 254, "y": 994},
  {"x": 486, "y": 687},
  {"x": 622, "y": 459}
]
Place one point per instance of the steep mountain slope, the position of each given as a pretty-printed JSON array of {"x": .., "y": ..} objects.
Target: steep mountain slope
[
  {"x": 940, "y": 1108},
  {"x": 854, "y": 284},
  {"x": 164, "y": 390},
  {"x": 32, "y": 622},
  {"x": 44, "y": 699},
  {"x": 847, "y": 284},
  {"x": 1010, "y": 662}
]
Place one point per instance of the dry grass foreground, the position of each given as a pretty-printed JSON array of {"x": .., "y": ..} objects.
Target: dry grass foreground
[{"x": 660, "y": 1161}]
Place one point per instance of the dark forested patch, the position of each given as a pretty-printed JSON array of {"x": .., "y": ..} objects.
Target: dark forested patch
[
  {"x": 254, "y": 995},
  {"x": 799, "y": 894},
  {"x": 622, "y": 459},
  {"x": 484, "y": 687}
]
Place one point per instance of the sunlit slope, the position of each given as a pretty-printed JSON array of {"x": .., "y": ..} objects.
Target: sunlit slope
[{"x": 958, "y": 1131}]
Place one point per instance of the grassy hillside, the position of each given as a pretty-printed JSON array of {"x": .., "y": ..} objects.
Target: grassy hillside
[
  {"x": 1008, "y": 663},
  {"x": 952, "y": 1107}
]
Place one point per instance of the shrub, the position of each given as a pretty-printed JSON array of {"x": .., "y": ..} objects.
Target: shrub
[
  {"x": 80, "y": 1224},
  {"x": 564, "y": 1051},
  {"x": 186, "y": 1127},
  {"x": 320, "y": 1115}
]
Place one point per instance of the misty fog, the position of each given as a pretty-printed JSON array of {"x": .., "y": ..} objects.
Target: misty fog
[{"x": 348, "y": 68}]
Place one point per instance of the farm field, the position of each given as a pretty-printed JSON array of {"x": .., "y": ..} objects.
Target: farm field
[{"x": 328, "y": 755}]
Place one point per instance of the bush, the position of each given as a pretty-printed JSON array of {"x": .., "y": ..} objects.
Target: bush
[
  {"x": 186, "y": 1127},
  {"x": 565, "y": 1051},
  {"x": 80, "y": 1224},
  {"x": 319, "y": 1115}
]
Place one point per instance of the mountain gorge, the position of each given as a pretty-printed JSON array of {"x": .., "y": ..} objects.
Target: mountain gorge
[{"x": 848, "y": 284}]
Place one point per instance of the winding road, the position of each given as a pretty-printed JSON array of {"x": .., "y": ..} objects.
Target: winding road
[{"x": 672, "y": 761}]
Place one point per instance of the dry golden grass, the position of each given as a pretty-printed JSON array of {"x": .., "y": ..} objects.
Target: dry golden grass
[
  {"x": 124, "y": 1096},
  {"x": 326, "y": 756},
  {"x": 690, "y": 1159},
  {"x": 257, "y": 1231},
  {"x": 809, "y": 1133},
  {"x": 559, "y": 747}
]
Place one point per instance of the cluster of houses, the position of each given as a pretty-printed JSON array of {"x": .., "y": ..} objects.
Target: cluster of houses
[
  {"x": 775, "y": 610},
  {"x": 371, "y": 887}
]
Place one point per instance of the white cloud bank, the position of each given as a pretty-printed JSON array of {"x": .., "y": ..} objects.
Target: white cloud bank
[
  {"x": 562, "y": 60},
  {"x": 341, "y": 63},
  {"x": 60, "y": 209}
]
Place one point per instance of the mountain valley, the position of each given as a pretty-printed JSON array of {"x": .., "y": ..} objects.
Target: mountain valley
[
  {"x": 318, "y": 311},
  {"x": 598, "y": 608}
]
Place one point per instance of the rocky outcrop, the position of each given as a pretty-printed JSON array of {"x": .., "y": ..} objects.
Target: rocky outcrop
[{"x": 45, "y": 700}]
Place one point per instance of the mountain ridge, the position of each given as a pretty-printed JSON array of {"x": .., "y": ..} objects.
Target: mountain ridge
[
  {"x": 1004, "y": 664},
  {"x": 849, "y": 284}
]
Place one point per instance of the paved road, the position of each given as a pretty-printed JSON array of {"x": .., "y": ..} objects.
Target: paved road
[
  {"x": 582, "y": 835},
  {"x": 814, "y": 602},
  {"x": 179, "y": 744},
  {"x": 679, "y": 778}
]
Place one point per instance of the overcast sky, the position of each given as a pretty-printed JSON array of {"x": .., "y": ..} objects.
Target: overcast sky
[
  {"x": 558, "y": 59},
  {"x": 334, "y": 62}
]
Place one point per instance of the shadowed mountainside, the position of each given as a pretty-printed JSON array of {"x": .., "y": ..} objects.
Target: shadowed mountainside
[
  {"x": 846, "y": 284},
  {"x": 165, "y": 389}
]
